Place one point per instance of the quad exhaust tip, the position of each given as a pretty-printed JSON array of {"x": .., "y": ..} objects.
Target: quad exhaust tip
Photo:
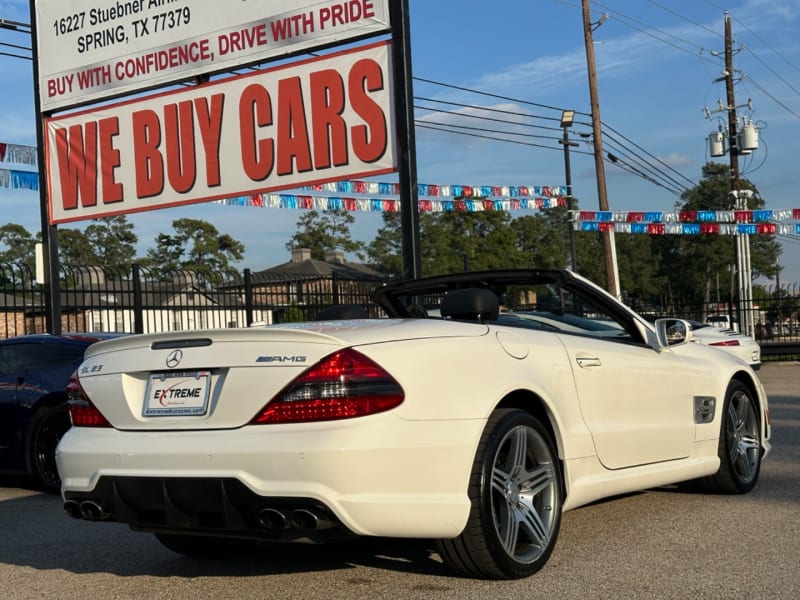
[
  {"x": 88, "y": 510},
  {"x": 310, "y": 520},
  {"x": 272, "y": 518},
  {"x": 73, "y": 509},
  {"x": 299, "y": 518}
]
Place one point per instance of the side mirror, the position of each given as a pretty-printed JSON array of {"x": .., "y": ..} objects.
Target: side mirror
[{"x": 673, "y": 332}]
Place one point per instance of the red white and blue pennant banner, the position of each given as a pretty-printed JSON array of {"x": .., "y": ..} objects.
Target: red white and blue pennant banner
[
  {"x": 15, "y": 153},
  {"x": 15, "y": 178},
  {"x": 18, "y": 180},
  {"x": 376, "y": 196},
  {"x": 690, "y": 222}
]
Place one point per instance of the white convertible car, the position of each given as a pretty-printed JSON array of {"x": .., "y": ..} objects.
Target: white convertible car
[{"x": 473, "y": 427}]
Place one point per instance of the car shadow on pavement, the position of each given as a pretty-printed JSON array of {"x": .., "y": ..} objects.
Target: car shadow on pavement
[{"x": 37, "y": 534}]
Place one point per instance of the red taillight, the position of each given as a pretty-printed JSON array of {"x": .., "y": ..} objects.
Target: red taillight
[
  {"x": 82, "y": 412},
  {"x": 344, "y": 385},
  {"x": 726, "y": 343}
]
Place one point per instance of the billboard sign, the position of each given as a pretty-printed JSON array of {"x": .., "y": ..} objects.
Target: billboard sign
[
  {"x": 311, "y": 121},
  {"x": 89, "y": 50}
]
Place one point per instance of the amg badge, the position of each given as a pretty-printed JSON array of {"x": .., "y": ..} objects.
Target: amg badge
[{"x": 281, "y": 359}]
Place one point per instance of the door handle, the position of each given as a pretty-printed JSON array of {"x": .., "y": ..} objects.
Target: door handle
[{"x": 588, "y": 361}]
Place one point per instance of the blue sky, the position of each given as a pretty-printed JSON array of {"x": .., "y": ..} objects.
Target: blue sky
[{"x": 656, "y": 70}]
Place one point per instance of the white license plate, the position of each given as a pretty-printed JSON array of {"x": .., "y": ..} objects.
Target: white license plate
[{"x": 179, "y": 393}]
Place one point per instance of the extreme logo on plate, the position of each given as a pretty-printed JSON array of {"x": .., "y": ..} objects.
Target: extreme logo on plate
[{"x": 181, "y": 393}]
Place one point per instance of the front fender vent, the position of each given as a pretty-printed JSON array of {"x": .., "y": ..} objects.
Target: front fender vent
[{"x": 705, "y": 407}]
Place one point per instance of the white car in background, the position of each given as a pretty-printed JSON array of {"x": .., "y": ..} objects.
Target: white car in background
[
  {"x": 738, "y": 344},
  {"x": 722, "y": 322}
]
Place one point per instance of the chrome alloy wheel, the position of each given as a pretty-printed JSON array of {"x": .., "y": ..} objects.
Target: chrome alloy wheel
[
  {"x": 743, "y": 434},
  {"x": 524, "y": 494}
]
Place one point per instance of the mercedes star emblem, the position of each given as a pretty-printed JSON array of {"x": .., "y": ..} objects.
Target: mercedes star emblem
[{"x": 174, "y": 358}]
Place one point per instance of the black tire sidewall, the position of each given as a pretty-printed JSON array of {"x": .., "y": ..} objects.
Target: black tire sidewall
[
  {"x": 44, "y": 416},
  {"x": 727, "y": 467},
  {"x": 508, "y": 565}
]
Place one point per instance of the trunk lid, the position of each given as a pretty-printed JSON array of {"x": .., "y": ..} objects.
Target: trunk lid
[{"x": 220, "y": 379}]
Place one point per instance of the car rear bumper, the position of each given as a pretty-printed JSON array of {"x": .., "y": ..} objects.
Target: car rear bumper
[{"x": 378, "y": 476}]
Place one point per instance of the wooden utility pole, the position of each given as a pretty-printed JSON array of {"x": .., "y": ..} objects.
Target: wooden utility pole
[
  {"x": 731, "y": 99},
  {"x": 744, "y": 271},
  {"x": 609, "y": 248}
]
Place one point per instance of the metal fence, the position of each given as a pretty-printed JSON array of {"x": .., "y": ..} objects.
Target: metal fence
[
  {"x": 139, "y": 300},
  {"x": 775, "y": 315}
]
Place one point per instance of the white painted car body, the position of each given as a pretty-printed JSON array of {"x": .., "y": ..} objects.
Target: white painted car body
[{"x": 623, "y": 416}]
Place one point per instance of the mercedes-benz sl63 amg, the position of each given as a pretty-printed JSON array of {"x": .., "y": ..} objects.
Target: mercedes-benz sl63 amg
[{"x": 446, "y": 415}]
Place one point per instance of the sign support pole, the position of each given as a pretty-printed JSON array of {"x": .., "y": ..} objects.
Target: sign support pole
[
  {"x": 51, "y": 289},
  {"x": 406, "y": 151}
]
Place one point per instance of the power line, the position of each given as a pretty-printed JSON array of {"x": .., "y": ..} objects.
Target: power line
[
  {"x": 668, "y": 182},
  {"x": 487, "y": 130},
  {"x": 644, "y": 27},
  {"x": 639, "y": 169},
  {"x": 18, "y": 27},
  {"x": 769, "y": 95},
  {"x": 16, "y": 46},
  {"x": 488, "y": 109},
  {"x": 611, "y": 157},
  {"x": 685, "y": 18},
  {"x": 678, "y": 173},
  {"x": 647, "y": 29},
  {"x": 424, "y": 125},
  {"x": 488, "y": 94},
  {"x": 759, "y": 38},
  {"x": 15, "y": 56},
  {"x": 771, "y": 70}
]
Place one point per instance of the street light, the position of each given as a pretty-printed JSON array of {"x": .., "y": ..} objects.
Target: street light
[
  {"x": 19, "y": 27},
  {"x": 15, "y": 25},
  {"x": 567, "y": 119}
]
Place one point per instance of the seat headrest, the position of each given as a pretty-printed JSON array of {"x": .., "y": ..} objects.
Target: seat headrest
[{"x": 470, "y": 304}]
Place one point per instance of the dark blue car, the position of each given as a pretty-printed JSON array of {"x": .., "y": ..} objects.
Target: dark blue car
[{"x": 34, "y": 373}]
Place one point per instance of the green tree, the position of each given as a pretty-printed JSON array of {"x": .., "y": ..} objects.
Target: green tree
[
  {"x": 75, "y": 249},
  {"x": 692, "y": 264},
  {"x": 109, "y": 242},
  {"x": 195, "y": 246},
  {"x": 458, "y": 241},
  {"x": 543, "y": 238},
  {"x": 639, "y": 267},
  {"x": 19, "y": 249},
  {"x": 385, "y": 251},
  {"x": 113, "y": 242},
  {"x": 19, "y": 244},
  {"x": 467, "y": 241},
  {"x": 324, "y": 232}
]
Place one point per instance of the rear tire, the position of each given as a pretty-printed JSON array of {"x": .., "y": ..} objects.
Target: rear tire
[
  {"x": 206, "y": 546},
  {"x": 516, "y": 495},
  {"x": 47, "y": 428},
  {"x": 739, "y": 443}
]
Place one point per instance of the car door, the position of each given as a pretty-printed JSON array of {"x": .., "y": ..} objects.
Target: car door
[
  {"x": 30, "y": 370},
  {"x": 6, "y": 403},
  {"x": 634, "y": 400},
  {"x": 11, "y": 372}
]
